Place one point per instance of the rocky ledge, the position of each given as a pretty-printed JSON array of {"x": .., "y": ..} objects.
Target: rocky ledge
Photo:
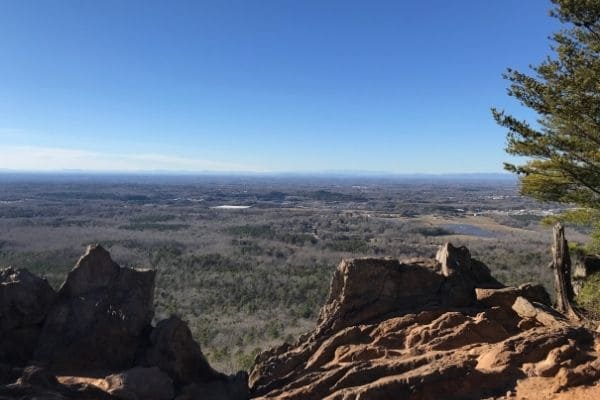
[
  {"x": 93, "y": 339},
  {"x": 439, "y": 328}
]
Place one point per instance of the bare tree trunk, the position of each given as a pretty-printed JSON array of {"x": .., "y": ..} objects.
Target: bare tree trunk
[{"x": 561, "y": 263}]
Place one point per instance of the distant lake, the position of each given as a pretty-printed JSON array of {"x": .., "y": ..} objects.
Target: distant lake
[{"x": 470, "y": 230}]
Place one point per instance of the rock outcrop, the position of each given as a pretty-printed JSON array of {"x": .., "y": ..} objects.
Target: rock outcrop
[
  {"x": 96, "y": 336},
  {"x": 413, "y": 329},
  {"x": 25, "y": 300},
  {"x": 173, "y": 349},
  {"x": 428, "y": 329},
  {"x": 100, "y": 315}
]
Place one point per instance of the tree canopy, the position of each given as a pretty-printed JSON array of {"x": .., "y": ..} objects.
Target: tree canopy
[{"x": 562, "y": 147}]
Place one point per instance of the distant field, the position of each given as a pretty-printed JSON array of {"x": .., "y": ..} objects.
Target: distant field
[{"x": 247, "y": 262}]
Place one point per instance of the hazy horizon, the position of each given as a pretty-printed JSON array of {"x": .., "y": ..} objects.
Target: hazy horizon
[{"x": 308, "y": 173}]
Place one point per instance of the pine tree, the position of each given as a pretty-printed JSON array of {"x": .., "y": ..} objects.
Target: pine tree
[{"x": 562, "y": 147}]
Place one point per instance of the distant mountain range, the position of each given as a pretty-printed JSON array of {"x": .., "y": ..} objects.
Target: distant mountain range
[{"x": 188, "y": 176}]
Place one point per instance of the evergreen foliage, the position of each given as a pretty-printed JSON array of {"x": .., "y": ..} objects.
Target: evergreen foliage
[{"x": 562, "y": 147}]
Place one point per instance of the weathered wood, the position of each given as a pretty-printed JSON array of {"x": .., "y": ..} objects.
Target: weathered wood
[{"x": 561, "y": 263}]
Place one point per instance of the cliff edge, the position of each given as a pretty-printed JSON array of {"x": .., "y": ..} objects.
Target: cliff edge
[
  {"x": 431, "y": 329},
  {"x": 439, "y": 328},
  {"x": 93, "y": 339}
]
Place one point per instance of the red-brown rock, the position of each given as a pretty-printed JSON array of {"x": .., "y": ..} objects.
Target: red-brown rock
[
  {"x": 25, "y": 301},
  {"x": 101, "y": 315},
  {"x": 416, "y": 331}
]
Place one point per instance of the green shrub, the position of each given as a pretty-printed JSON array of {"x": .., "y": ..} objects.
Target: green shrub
[
  {"x": 244, "y": 360},
  {"x": 589, "y": 296},
  {"x": 349, "y": 245}
]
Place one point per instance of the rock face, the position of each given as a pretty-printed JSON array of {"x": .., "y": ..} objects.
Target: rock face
[
  {"x": 358, "y": 293},
  {"x": 100, "y": 316},
  {"x": 99, "y": 324},
  {"x": 417, "y": 329},
  {"x": 462, "y": 274},
  {"x": 25, "y": 301},
  {"x": 427, "y": 329},
  {"x": 173, "y": 350},
  {"x": 505, "y": 297}
]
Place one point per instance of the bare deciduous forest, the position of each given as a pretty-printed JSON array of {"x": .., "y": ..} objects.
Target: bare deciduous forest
[{"x": 247, "y": 260}]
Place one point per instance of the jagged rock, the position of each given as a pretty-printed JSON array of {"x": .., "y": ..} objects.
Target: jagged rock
[
  {"x": 361, "y": 290},
  {"x": 530, "y": 346},
  {"x": 379, "y": 336},
  {"x": 99, "y": 323},
  {"x": 505, "y": 297},
  {"x": 458, "y": 261},
  {"x": 556, "y": 359},
  {"x": 24, "y": 298},
  {"x": 536, "y": 293},
  {"x": 24, "y": 303},
  {"x": 174, "y": 351},
  {"x": 141, "y": 383},
  {"x": 366, "y": 288},
  {"x": 417, "y": 356},
  {"x": 365, "y": 291},
  {"x": 100, "y": 316},
  {"x": 463, "y": 274},
  {"x": 539, "y": 312},
  {"x": 419, "y": 329},
  {"x": 580, "y": 375}
]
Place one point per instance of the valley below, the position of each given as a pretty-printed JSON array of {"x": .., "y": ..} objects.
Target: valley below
[{"x": 246, "y": 261}]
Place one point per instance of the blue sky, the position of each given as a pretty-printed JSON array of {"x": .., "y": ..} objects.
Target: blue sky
[{"x": 262, "y": 85}]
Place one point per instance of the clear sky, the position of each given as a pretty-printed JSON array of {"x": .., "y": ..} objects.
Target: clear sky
[{"x": 262, "y": 85}]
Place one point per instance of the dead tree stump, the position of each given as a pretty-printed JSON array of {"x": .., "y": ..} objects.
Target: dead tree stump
[{"x": 561, "y": 264}]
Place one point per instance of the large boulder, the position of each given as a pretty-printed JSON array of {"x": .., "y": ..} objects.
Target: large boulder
[
  {"x": 415, "y": 330},
  {"x": 173, "y": 349},
  {"x": 100, "y": 317},
  {"x": 25, "y": 300},
  {"x": 541, "y": 313},
  {"x": 368, "y": 290},
  {"x": 99, "y": 324},
  {"x": 463, "y": 274},
  {"x": 535, "y": 292},
  {"x": 505, "y": 297}
]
